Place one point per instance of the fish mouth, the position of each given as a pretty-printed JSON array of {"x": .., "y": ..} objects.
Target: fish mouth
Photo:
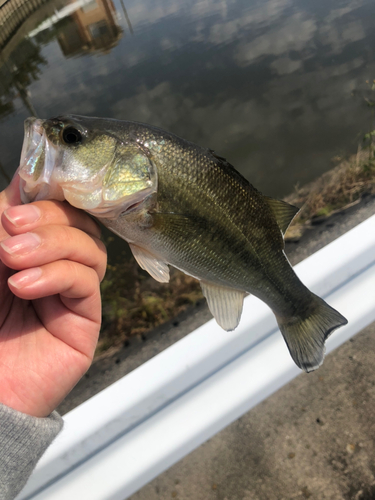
[
  {"x": 44, "y": 176},
  {"x": 39, "y": 157}
]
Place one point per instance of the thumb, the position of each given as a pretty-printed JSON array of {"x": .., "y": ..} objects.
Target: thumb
[{"x": 11, "y": 194}]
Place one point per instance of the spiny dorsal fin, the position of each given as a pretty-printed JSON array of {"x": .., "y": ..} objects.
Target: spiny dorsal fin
[
  {"x": 224, "y": 303},
  {"x": 283, "y": 212}
]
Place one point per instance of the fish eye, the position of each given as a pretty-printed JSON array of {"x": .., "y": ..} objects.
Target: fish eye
[{"x": 71, "y": 135}]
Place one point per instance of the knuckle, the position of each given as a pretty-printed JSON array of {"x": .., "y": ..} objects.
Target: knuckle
[
  {"x": 50, "y": 211},
  {"x": 66, "y": 237},
  {"x": 101, "y": 247},
  {"x": 96, "y": 229},
  {"x": 61, "y": 213},
  {"x": 101, "y": 263}
]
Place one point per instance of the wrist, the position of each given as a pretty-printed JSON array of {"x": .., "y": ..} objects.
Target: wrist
[{"x": 28, "y": 408}]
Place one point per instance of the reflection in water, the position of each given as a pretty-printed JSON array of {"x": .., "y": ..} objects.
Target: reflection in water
[
  {"x": 80, "y": 27},
  {"x": 17, "y": 72},
  {"x": 4, "y": 173},
  {"x": 127, "y": 17},
  {"x": 13, "y": 15},
  {"x": 93, "y": 27},
  {"x": 276, "y": 86}
]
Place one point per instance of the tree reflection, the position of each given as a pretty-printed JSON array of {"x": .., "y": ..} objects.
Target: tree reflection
[
  {"x": 17, "y": 72},
  {"x": 79, "y": 27}
]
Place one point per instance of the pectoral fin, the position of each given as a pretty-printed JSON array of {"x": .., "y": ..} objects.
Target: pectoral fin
[
  {"x": 224, "y": 303},
  {"x": 158, "y": 269}
]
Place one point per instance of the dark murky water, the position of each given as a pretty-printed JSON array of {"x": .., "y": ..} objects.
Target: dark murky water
[{"x": 278, "y": 87}]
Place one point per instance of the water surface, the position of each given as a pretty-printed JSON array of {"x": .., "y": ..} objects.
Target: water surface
[{"x": 278, "y": 87}]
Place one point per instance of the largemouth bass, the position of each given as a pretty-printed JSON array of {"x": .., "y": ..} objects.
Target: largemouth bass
[{"x": 179, "y": 204}]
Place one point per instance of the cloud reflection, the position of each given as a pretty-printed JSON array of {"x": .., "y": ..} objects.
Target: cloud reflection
[
  {"x": 261, "y": 16},
  {"x": 338, "y": 37},
  {"x": 262, "y": 82},
  {"x": 294, "y": 34},
  {"x": 285, "y": 65}
]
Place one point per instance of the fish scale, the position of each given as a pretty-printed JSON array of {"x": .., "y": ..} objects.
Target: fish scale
[{"x": 179, "y": 204}]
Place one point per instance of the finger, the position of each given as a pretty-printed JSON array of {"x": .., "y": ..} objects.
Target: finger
[
  {"x": 12, "y": 192},
  {"x": 52, "y": 243},
  {"x": 21, "y": 218},
  {"x": 69, "y": 279},
  {"x": 67, "y": 290},
  {"x": 10, "y": 196}
]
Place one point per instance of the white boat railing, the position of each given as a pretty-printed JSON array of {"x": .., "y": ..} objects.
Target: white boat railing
[{"x": 126, "y": 435}]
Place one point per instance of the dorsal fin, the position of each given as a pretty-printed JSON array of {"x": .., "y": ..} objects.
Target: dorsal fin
[{"x": 283, "y": 212}]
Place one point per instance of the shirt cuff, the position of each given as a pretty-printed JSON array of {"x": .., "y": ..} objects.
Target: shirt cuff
[{"x": 23, "y": 440}]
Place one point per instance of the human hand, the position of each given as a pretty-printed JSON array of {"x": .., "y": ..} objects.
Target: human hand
[{"x": 51, "y": 265}]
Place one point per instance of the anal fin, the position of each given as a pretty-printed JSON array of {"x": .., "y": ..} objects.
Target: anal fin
[
  {"x": 224, "y": 303},
  {"x": 158, "y": 269}
]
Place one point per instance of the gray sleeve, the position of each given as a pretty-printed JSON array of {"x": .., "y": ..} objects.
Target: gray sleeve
[{"x": 23, "y": 440}]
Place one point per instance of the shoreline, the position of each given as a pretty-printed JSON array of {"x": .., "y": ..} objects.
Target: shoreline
[{"x": 336, "y": 190}]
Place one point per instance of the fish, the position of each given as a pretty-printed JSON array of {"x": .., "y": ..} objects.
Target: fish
[{"x": 179, "y": 204}]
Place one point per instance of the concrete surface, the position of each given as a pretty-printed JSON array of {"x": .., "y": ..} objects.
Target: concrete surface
[{"x": 312, "y": 439}]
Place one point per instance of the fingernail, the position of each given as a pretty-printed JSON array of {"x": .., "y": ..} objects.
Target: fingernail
[
  {"x": 21, "y": 244},
  {"x": 23, "y": 214},
  {"x": 25, "y": 278}
]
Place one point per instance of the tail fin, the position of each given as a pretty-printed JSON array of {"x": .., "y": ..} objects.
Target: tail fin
[{"x": 305, "y": 335}]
